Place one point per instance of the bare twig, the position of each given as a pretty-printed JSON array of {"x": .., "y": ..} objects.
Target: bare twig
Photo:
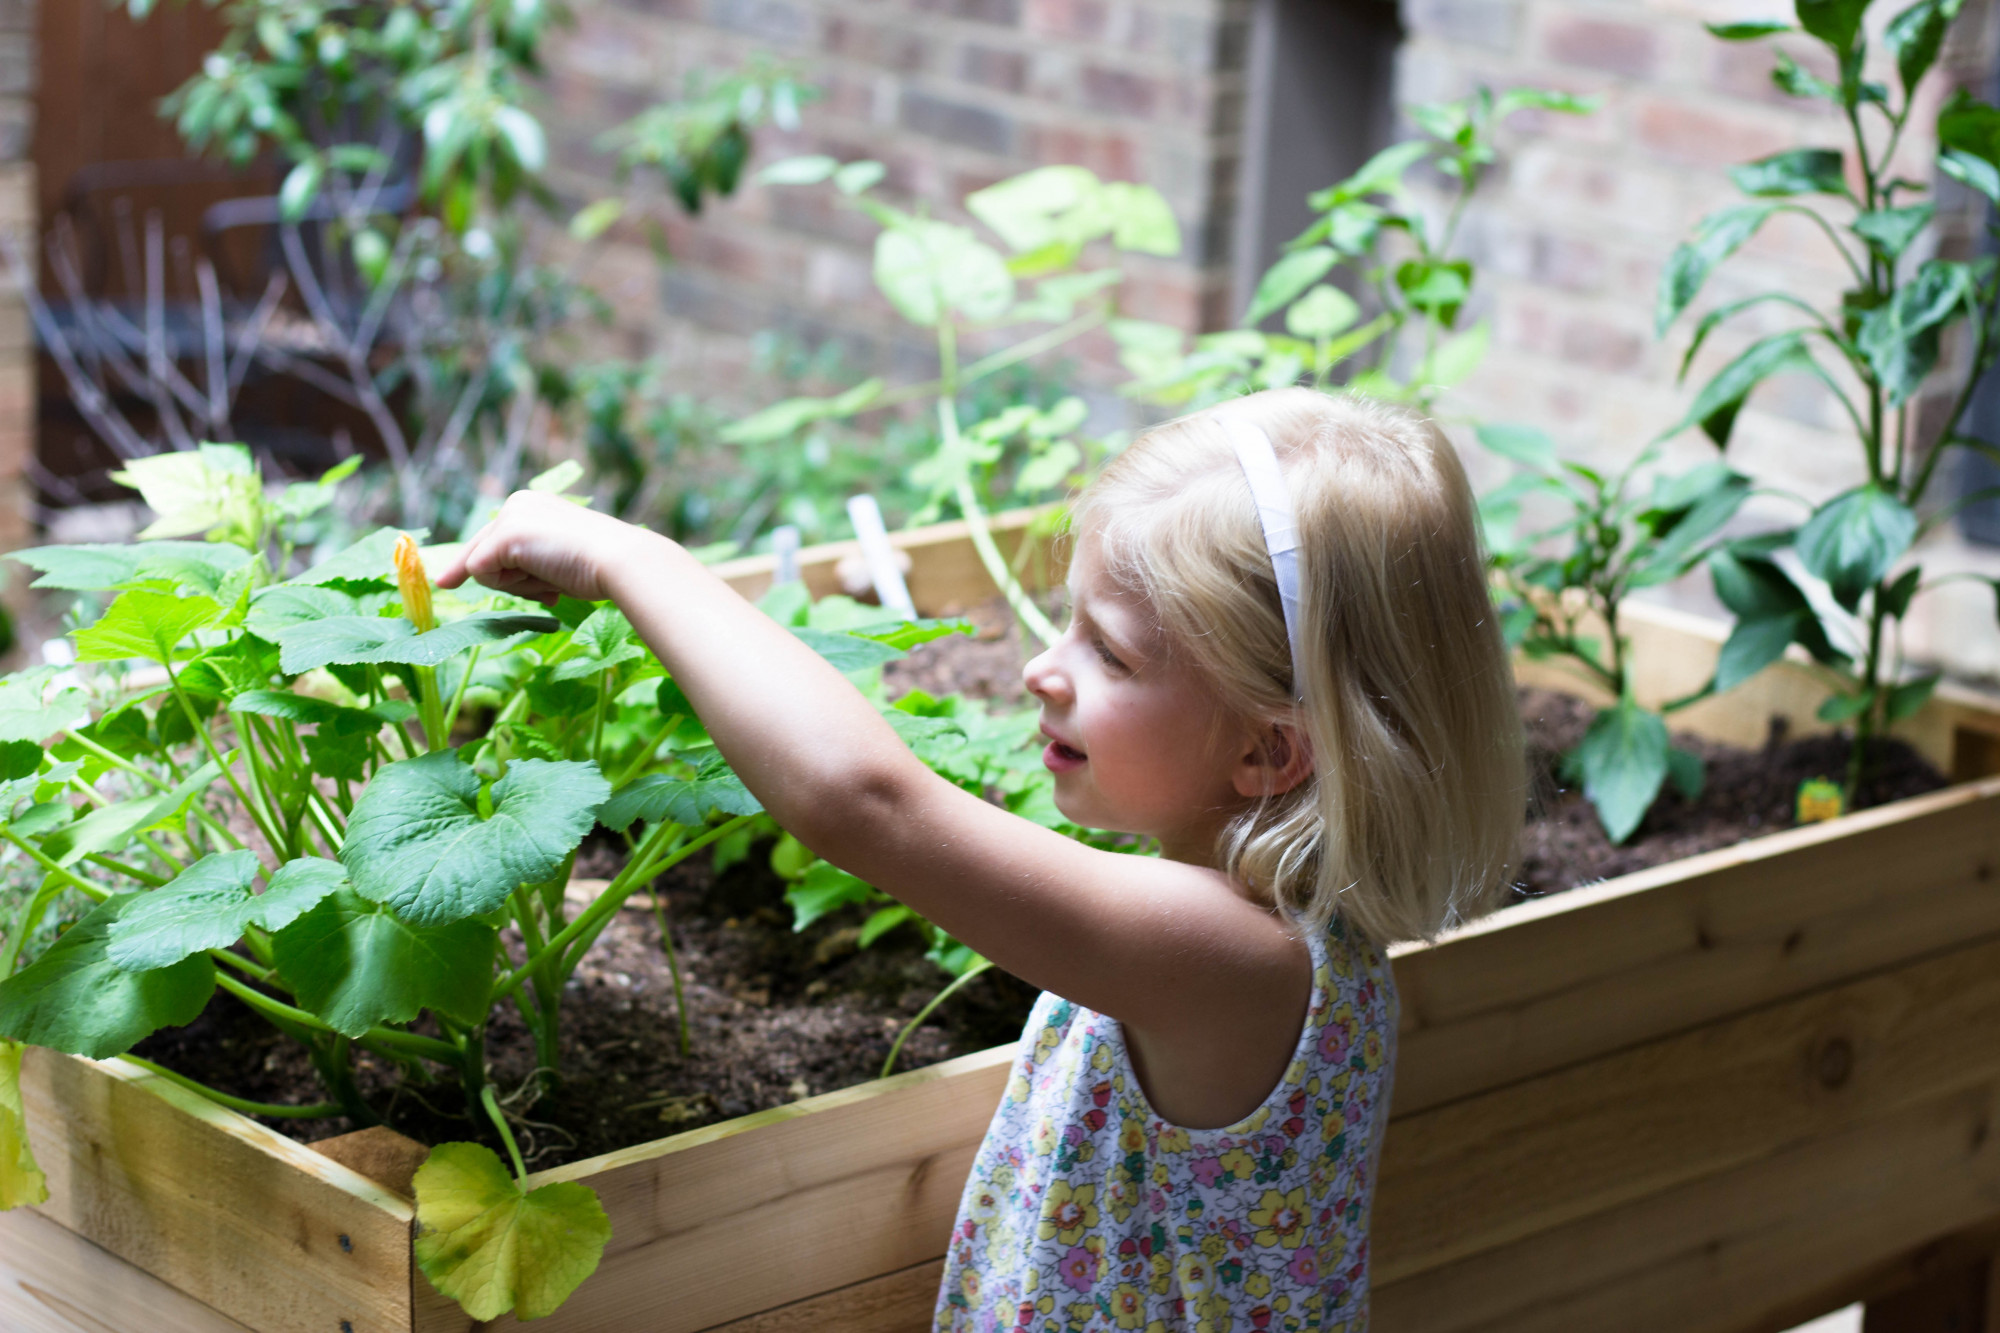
[
  {"x": 252, "y": 332},
  {"x": 90, "y": 398},
  {"x": 358, "y": 374},
  {"x": 214, "y": 349}
]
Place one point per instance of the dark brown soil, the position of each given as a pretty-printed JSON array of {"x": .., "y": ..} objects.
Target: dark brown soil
[
  {"x": 773, "y": 1016},
  {"x": 777, "y": 1015},
  {"x": 1746, "y": 794}
]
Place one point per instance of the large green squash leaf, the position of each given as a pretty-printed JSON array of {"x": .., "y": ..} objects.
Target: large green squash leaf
[
  {"x": 28, "y": 712},
  {"x": 203, "y": 565},
  {"x": 601, "y": 642},
  {"x": 367, "y": 561},
  {"x": 356, "y": 964},
  {"x": 657, "y": 797},
  {"x": 493, "y": 1246},
  {"x": 21, "y": 1181},
  {"x": 274, "y": 610},
  {"x": 348, "y": 640},
  {"x": 418, "y": 842},
  {"x": 75, "y": 999},
  {"x": 145, "y": 623},
  {"x": 209, "y": 906}
]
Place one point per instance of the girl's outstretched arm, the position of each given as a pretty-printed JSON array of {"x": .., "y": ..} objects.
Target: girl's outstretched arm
[{"x": 1211, "y": 986}]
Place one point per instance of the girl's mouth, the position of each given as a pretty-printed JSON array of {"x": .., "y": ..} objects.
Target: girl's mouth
[{"x": 1060, "y": 758}]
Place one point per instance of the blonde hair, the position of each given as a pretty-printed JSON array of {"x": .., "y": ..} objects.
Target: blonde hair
[{"x": 1408, "y": 821}]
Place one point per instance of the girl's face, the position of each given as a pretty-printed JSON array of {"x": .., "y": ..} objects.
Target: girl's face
[{"x": 1137, "y": 743}]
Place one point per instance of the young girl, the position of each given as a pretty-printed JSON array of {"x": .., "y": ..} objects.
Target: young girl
[{"x": 1281, "y": 664}]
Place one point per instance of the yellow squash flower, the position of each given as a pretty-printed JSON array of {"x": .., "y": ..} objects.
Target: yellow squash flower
[{"x": 414, "y": 584}]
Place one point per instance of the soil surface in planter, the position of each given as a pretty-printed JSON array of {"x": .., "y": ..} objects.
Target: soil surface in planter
[{"x": 776, "y": 1015}]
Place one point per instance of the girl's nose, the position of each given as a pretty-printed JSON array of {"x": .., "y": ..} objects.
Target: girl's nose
[{"x": 1043, "y": 680}]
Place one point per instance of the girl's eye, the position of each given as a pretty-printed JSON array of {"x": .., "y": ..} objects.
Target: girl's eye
[{"x": 1108, "y": 657}]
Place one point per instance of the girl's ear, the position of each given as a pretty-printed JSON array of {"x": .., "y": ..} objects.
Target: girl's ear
[{"x": 1276, "y": 761}]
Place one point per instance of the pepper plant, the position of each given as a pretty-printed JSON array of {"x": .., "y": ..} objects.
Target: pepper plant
[
  {"x": 287, "y": 802},
  {"x": 1612, "y": 534},
  {"x": 1395, "y": 254},
  {"x": 1876, "y": 353}
]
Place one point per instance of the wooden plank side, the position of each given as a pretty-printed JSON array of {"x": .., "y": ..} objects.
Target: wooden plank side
[
  {"x": 235, "y": 1215},
  {"x": 54, "y": 1281},
  {"x": 1759, "y": 1248},
  {"x": 1580, "y": 974},
  {"x": 757, "y": 1213},
  {"x": 945, "y": 572},
  {"x": 1491, "y": 1170},
  {"x": 900, "y": 1302}
]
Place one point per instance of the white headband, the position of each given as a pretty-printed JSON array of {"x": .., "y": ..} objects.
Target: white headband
[{"x": 1280, "y": 522}]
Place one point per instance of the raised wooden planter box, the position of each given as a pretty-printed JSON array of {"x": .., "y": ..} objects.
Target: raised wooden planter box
[{"x": 1725, "y": 1094}]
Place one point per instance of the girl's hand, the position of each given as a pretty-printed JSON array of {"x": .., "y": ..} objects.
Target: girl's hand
[{"x": 542, "y": 546}]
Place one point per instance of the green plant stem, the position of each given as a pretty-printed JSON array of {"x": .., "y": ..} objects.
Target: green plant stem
[
  {"x": 145, "y": 877},
  {"x": 1865, "y": 720},
  {"x": 1024, "y": 607},
  {"x": 256, "y": 814},
  {"x": 541, "y": 1016},
  {"x": 267, "y": 791},
  {"x": 24, "y": 924},
  {"x": 889, "y": 1064},
  {"x": 429, "y": 1048},
  {"x": 645, "y": 755},
  {"x": 673, "y": 966},
  {"x": 458, "y": 695},
  {"x": 616, "y": 892},
  {"x": 254, "y": 971},
  {"x": 95, "y": 892},
  {"x": 597, "y": 718},
  {"x": 492, "y": 1105},
  {"x": 430, "y": 708},
  {"x": 120, "y": 762},
  {"x": 313, "y": 1111},
  {"x": 988, "y": 365}
]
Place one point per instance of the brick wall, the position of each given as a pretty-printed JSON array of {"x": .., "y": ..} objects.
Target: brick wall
[
  {"x": 951, "y": 95},
  {"x": 1572, "y": 233},
  {"x": 17, "y": 214}
]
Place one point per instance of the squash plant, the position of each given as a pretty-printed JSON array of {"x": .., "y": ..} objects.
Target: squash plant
[
  {"x": 274, "y": 806},
  {"x": 1875, "y": 352}
]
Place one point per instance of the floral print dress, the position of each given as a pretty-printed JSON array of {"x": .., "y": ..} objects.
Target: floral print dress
[{"x": 1086, "y": 1211}]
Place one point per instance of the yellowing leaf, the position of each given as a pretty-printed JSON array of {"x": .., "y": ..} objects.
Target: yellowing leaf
[
  {"x": 21, "y": 1181},
  {"x": 492, "y": 1246}
]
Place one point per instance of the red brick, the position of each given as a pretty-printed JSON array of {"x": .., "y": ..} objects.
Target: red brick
[
  {"x": 1004, "y": 13},
  {"x": 1111, "y": 155},
  {"x": 1084, "y": 19},
  {"x": 875, "y": 43},
  {"x": 960, "y": 123},
  {"x": 1119, "y": 92},
  {"x": 1630, "y": 49},
  {"x": 1703, "y": 137},
  {"x": 1493, "y": 24},
  {"x": 1600, "y": 345},
  {"x": 990, "y": 67},
  {"x": 1743, "y": 69}
]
